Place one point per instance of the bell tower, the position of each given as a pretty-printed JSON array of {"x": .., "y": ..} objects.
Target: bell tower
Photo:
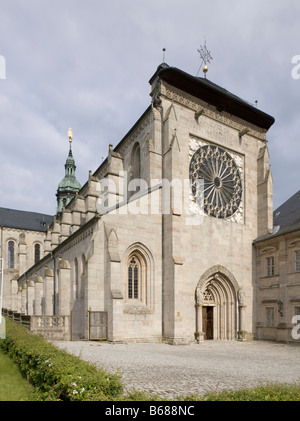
[{"x": 69, "y": 185}]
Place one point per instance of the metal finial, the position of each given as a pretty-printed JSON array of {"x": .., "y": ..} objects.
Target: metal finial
[
  {"x": 70, "y": 134},
  {"x": 205, "y": 56},
  {"x": 164, "y": 50}
]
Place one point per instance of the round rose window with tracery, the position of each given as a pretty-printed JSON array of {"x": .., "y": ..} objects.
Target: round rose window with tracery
[{"x": 222, "y": 181}]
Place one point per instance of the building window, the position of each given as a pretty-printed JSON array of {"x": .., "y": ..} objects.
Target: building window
[
  {"x": 270, "y": 266},
  {"x": 269, "y": 316},
  {"x": 133, "y": 278},
  {"x": 134, "y": 185},
  {"x": 83, "y": 266},
  {"x": 137, "y": 161},
  {"x": 297, "y": 311},
  {"x": 138, "y": 278},
  {"x": 11, "y": 254},
  {"x": 37, "y": 253},
  {"x": 297, "y": 261}
]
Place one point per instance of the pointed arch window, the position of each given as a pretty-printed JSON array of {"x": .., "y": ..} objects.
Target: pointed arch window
[
  {"x": 139, "y": 278},
  {"x": 11, "y": 254},
  {"x": 135, "y": 170},
  {"x": 83, "y": 265},
  {"x": 137, "y": 161},
  {"x": 133, "y": 278},
  {"x": 37, "y": 253}
]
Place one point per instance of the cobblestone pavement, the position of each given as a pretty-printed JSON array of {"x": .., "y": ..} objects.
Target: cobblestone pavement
[{"x": 172, "y": 371}]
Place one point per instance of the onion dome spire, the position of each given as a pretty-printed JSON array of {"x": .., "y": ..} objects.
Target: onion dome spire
[{"x": 69, "y": 185}]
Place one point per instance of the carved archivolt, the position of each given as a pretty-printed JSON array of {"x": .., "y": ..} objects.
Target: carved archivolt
[{"x": 222, "y": 273}]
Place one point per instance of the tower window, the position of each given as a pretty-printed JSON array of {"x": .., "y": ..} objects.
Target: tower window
[
  {"x": 37, "y": 253},
  {"x": 11, "y": 254}
]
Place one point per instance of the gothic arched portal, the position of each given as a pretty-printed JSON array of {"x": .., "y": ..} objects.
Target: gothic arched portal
[{"x": 217, "y": 310}]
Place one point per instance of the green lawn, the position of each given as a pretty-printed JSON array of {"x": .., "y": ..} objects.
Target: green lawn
[{"x": 13, "y": 386}]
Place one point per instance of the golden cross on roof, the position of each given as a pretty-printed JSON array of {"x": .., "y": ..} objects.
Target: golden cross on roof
[
  {"x": 205, "y": 56},
  {"x": 70, "y": 134}
]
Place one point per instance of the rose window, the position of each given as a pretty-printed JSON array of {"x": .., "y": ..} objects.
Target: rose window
[{"x": 222, "y": 193}]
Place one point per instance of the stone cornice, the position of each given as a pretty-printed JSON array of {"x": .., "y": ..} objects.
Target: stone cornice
[{"x": 192, "y": 103}]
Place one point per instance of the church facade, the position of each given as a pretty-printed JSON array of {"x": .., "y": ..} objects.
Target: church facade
[{"x": 161, "y": 242}]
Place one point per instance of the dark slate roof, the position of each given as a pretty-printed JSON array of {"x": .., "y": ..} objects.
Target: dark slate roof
[
  {"x": 213, "y": 94},
  {"x": 286, "y": 218},
  {"x": 24, "y": 220}
]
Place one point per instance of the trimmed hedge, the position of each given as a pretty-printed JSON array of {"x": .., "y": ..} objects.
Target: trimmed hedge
[{"x": 56, "y": 374}]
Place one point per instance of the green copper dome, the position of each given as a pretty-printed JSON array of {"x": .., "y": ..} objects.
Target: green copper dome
[{"x": 69, "y": 185}]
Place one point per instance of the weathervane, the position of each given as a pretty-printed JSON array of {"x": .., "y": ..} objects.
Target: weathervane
[{"x": 205, "y": 56}]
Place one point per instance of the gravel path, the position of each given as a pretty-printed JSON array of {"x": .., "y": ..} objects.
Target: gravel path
[{"x": 171, "y": 371}]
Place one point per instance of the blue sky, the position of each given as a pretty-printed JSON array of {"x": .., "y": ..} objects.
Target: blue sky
[{"x": 86, "y": 65}]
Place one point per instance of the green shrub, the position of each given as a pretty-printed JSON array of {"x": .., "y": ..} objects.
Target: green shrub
[
  {"x": 267, "y": 392},
  {"x": 56, "y": 374}
]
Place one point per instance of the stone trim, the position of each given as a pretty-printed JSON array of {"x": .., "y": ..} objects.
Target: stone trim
[{"x": 174, "y": 95}]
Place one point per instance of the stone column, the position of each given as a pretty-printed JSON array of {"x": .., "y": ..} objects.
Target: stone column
[
  {"x": 22, "y": 254},
  {"x": 116, "y": 325},
  {"x": 23, "y": 298},
  {"x": 14, "y": 295},
  {"x": 55, "y": 233},
  {"x": 65, "y": 224},
  {"x": 19, "y": 299},
  {"x": 241, "y": 321},
  {"x": 48, "y": 291},
  {"x": 199, "y": 334},
  {"x": 47, "y": 243},
  {"x": 65, "y": 287},
  {"x": 115, "y": 306},
  {"x": 116, "y": 330},
  {"x": 30, "y": 298},
  {"x": 76, "y": 220},
  {"x": 38, "y": 295},
  {"x": 241, "y": 307}
]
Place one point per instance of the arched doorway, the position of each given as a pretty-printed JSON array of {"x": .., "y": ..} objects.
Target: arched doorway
[{"x": 217, "y": 305}]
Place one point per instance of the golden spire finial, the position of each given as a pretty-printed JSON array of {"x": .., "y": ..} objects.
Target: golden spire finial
[{"x": 70, "y": 134}]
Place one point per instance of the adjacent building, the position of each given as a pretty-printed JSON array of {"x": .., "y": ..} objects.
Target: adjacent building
[{"x": 278, "y": 274}]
